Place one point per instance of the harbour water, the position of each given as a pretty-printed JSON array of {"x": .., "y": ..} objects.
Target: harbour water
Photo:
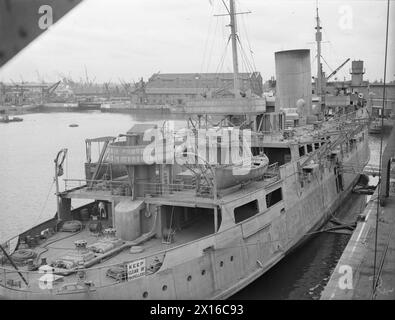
[
  {"x": 28, "y": 150},
  {"x": 27, "y": 192}
]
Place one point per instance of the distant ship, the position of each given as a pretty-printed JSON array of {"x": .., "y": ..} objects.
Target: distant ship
[
  {"x": 199, "y": 230},
  {"x": 7, "y": 119}
]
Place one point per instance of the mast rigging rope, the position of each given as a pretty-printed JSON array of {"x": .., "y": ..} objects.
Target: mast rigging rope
[{"x": 375, "y": 281}]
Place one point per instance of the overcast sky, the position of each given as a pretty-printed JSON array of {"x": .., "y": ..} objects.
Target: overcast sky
[{"x": 129, "y": 39}]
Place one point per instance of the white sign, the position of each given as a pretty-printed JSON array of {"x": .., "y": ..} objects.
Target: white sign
[{"x": 136, "y": 269}]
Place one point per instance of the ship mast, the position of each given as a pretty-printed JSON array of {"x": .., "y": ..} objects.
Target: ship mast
[
  {"x": 233, "y": 35},
  {"x": 234, "y": 38},
  {"x": 318, "y": 38}
]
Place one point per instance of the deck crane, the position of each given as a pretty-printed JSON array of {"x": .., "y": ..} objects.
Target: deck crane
[{"x": 337, "y": 69}]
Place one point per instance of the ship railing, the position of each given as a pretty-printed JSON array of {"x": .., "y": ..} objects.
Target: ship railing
[
  {"x": 121, "y": 153},
  {"x": 89, "y": 280},
  {"x": 266, "y": 136},
  {"x": 112, "y": 186},
  {"x": 272, "y": 172},
  {"x": 179, "y": 189},
  {"x": 86, "y": 280}
]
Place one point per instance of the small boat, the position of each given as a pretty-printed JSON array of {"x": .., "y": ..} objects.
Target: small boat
[
  {"x": 73, "y": 125},
  {"x": 6, "y": 119}
]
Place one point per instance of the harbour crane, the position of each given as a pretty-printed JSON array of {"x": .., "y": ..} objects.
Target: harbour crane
[
  {"x": 47, "y": 92},
  {"x": 337, "y": 69}
]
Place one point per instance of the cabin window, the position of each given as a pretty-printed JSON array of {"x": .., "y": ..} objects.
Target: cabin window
[
  {"x": 256, "y": 151},
  {"x": 274, "y": 197},
  {"x": 279, "y": 155},
  {"x": 246, "y": 211},
  {"x": 309, "y": 148},
  {"x": 316, "y": 145},
  {"x": 270, "y": 109},
  {"x": 301, "y": 151},
  {"x": 186, "y": 219}
]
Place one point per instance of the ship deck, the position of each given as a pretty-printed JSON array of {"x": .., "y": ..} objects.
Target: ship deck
[
  {"x": 366, "y": 269},
  {"x": 61, "y": 245}
]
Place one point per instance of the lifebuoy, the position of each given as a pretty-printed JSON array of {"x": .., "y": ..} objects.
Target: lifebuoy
[{"x": 22, "y": 255}]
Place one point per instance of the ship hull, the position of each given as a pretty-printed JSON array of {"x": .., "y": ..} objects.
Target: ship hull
[{"x": 219, "y": 265}]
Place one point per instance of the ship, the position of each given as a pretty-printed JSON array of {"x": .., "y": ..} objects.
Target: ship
[
  {"x": 7, "y": 119},
  {"x": 165, "y": 221}
]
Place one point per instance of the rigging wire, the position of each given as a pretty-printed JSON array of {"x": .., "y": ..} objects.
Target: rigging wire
[
  {"x": 67, "y": 165},
  {"x": 222, "y": 60},
  {"x": 206, "y": 42},
  {"x": 375, "y": 281},
  {"x": 45, "y": 203},
  {"x": 212, "y": 45},
  {"x": 248, "y": 66},
  {"x": 327, "y": 64},
  {"x": 245, "y": 29}
]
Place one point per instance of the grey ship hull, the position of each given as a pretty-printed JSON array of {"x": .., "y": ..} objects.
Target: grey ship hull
[{"x": 219, "y": 265}]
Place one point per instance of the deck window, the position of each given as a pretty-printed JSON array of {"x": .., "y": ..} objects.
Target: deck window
[
  {"x": 279, "y": 155},
  {"x": 301, "y": 151},
  {"x": 246, "y": 211},
  {"x": 274, "y": 197}
]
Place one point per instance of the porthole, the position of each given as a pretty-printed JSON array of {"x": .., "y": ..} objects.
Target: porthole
[
  {"x": 189, "y": 278},
  {"x": 231, "y": 258},
  {"x": 203, "y": 272},
  {"x": 145, "y": 294},
  {"x": 221, "y": 264},
  {"x": 164, "y": 288}
]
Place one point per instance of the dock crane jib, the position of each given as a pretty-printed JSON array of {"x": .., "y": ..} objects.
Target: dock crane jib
[{"x": 337, "y": 69}]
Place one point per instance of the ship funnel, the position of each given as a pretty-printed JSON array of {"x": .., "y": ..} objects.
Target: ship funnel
[
  {"x": 357, "y": 71},
  {"x": 293, "y": 81}
]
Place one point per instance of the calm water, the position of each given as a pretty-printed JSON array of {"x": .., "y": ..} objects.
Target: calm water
[
  {"x": 27, "y": 196},
  {"x": 28, "y": 150}
]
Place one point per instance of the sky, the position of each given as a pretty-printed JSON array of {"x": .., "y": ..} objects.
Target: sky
[{"x": 130, "y": 39}]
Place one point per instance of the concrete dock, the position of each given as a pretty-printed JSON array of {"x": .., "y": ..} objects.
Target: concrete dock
[{"x": 352, "y": 279}]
